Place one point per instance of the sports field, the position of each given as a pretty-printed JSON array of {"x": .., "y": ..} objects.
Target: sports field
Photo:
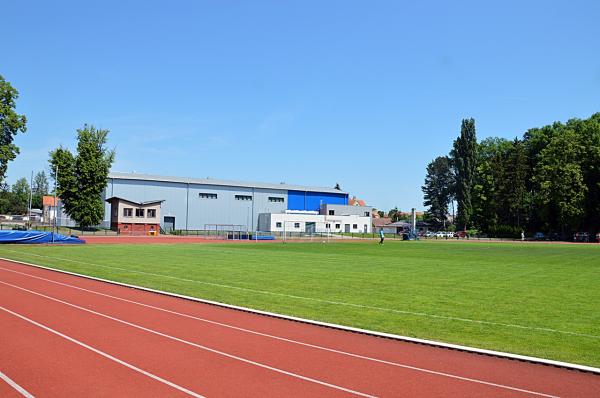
[{"x": 534, "y": 299}]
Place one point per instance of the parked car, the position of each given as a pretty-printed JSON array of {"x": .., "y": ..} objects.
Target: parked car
[
  {"x": 460, "y": 234},
  {"x": 598, "y": 237},
  {"x": 539, "y": 236},
  {"x": 581, "y": 237},
  {"x": 429, "y": 234}
]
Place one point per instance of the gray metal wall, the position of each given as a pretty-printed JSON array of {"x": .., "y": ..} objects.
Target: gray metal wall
[
  {"x": 346, "y": 210},
  {"x": 183, "y": 201}
]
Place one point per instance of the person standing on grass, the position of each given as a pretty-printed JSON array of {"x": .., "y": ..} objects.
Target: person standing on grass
[{"x": 381, "y": 236}]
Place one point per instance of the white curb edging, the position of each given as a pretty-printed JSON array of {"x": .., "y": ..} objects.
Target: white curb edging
[{"x": 433, "y": 343}]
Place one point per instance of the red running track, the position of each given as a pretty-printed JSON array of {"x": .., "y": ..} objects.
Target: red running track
[{"x": 63, "y": 335}]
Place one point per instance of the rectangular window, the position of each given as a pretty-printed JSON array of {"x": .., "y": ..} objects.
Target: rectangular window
[
  {"x": 367, "y": 214},
  {"x": 354, "y": 226},
  {"x": 128, "y": 212},
  {"x": 296, "y": 225},
  {"x": 327, "y": 226},
  {"x": 332, "y": 212},
  {"x": 243, "y": 197},
  {"x": 151, "y": 213},
  {"x": 205, "y": 195},
  {"x": 337, "y": 226},
  {"x": 139, "y": 213},
  {"x": 275, "y": 199},
  {"x": 278, "y": 225}
]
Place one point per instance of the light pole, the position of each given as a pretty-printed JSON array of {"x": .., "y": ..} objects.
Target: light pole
[
  {"x": 55, "y": 202},
  {"x": 30, "y": 198}
]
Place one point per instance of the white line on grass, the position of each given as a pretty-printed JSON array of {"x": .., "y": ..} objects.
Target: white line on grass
[
  {"x": 277, "y": 337},
  {"x": 202, "y": 347},
  {"x": 102, "y": 353},
  {"x": 362, "y": 306},
  {"x": 17, "y": 387}
]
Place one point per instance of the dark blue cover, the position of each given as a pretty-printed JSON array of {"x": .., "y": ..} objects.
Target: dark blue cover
[{"x": 30, "y": 237}]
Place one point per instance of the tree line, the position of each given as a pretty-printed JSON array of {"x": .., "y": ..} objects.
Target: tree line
[
  {"x": 547, "y": 181},
  {"x": 15, "y": 199}
]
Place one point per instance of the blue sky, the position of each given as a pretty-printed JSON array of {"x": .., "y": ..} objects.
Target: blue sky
[{"x": 305, "y": 92}]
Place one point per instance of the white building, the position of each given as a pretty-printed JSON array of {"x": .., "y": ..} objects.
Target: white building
[{"x": 332, "y": 219}]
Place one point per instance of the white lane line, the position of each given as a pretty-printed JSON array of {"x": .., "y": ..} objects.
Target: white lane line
[
  {"x": 102, "y": 353},
  {"x": 333, "y": 302},
  {"x": 318, "y": 347},
  {"x": 17, "y": 387},
  {"x": 202, "y": 347}
]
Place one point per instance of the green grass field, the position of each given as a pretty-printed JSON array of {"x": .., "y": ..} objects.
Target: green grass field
[{"x": 534, "y": 299}]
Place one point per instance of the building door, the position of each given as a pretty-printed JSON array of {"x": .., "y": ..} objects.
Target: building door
[
  {"x": 169, "y": 224},
  {"x": 311, "y": 227},
  {"x": 365, "y": 229},
  {"x": 347, "y": 228}
]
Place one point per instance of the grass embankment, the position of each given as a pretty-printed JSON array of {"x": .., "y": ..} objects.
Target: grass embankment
[{"x": 533, "y": 299}]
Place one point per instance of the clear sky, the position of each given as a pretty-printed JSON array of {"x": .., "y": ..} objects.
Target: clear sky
[{"x": 305, "y": 92}]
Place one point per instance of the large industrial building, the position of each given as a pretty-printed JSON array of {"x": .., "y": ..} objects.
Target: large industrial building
[{"x": 195, "y": 204}]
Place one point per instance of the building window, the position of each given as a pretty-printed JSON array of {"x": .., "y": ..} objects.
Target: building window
[
  {"x": 128, "y": 212},
  {"x": 139, "y": 213},
  {"x": 332, "y": 212},
  {"x": 151, "y": 213},
  {"x": 205, "y": 195},
  {"x": 354, "y": 226},
  {"x": 276, "y": 199},
  {"x": 296, "y": 225},
  {"x": 278, "y": 225},
  {"x": 337, "y": 226},
  {"x": 327, "y": 226},
  {"x": 243, "y": 197},
  {"x": 367, "y": 214}
]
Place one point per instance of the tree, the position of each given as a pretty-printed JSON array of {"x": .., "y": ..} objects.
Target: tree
[
  {"x": 40, "y": 188},
  {"x": 438, "y": 190},
  {"x": 516, "y": 193},
  {"x": 40, "y": 184},
  {"x": 394, "y": 214},
  {"x": 19, "y": 198},
  {"x": 463, "y": 159},
  {"x": 11, "y": 124},
  {"x": 82, "y": 178},
  {"x": 559, "y": 177}
]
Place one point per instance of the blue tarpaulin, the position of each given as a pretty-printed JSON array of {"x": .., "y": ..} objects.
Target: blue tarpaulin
[{"x": 31, "y": 237}]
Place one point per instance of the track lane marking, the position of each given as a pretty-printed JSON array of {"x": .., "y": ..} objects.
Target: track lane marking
[
  {"x": 363, "y": 306},
  {"x": 102, "y": 353},
  {"x": 462, "y": 378},
  {"x": 200, "y": 346},
  {"x": 16, "y": 386},
  {"x": 318, "y": 347}
]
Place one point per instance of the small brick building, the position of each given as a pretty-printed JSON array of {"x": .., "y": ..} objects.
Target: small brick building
[{"x": 134, "y": 218}]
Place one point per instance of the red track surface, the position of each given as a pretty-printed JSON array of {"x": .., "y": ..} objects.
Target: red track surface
[{"x": 63, "y": 335}]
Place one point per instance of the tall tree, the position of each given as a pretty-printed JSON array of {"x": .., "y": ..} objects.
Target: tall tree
[
  {"x": 40, "y": 184},
  {"x": 82, "y": 178},
  {"x": 11, "y": 124},
  {"x": 19, "y": 199},
  {"x": 559, "y": 176},
  {"x": 464, "y": 154},
  {"x": 516, "y": 194},
  {"x": 438, "y": 190}
]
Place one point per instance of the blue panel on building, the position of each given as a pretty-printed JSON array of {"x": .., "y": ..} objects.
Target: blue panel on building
[{"x": 301, "y": 200}]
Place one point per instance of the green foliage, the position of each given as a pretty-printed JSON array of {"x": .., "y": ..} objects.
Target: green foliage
[
  {"x": 82, "y": 178},
  {"x": 11, "y": 124},
  {"x": 559, "y": 178},
  {"x": 19, "y": 198},
  {"x": 464, "y": 158},
  {"x": 505, "y": 231},
  {"x": 438, "y": 190},
  {"x": 548, "y": 181},
  {"x": 40, "y": 184}
]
